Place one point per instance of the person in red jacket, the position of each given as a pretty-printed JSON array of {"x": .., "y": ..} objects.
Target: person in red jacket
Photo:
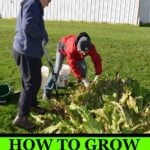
[{"x": 75, "y": 48}]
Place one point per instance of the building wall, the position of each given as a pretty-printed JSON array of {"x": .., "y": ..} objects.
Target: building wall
[
  {"x": 108, "y": 11},
  {"x": 144, "y": 11}
]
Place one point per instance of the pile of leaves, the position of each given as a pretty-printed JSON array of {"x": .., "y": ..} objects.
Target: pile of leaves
[{"x": 109, "y": 106}]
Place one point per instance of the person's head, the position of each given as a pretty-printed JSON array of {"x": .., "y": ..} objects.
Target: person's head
[
  {"x": 45, "y": 3},
  {"x": 83, "y": 42}
]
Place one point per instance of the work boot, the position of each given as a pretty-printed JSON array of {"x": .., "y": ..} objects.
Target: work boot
[
  {"x": 23, "y": 122},
  {"x": 46, "y": 96},
  {"x": 38, "y": 110}
]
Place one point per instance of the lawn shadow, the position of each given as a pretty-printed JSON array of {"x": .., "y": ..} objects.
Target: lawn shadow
[{"x": 13, "y": 98}]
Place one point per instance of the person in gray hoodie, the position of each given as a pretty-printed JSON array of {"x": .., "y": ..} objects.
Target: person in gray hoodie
[{"x": 27, "y": 52}]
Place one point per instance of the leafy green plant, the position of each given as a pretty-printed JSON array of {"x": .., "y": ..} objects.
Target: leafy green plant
[{"x": 109, "y": 106}]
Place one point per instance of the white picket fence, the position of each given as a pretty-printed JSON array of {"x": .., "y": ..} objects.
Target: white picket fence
[{"x": 109, "y": 11}]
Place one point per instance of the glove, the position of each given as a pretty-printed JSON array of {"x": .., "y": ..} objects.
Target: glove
[
  {"x": 45, "y": 39},
  {"x": 86, "y": 82},
  {"x": 96, "y": 78}
]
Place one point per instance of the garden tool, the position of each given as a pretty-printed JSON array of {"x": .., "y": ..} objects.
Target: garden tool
[{"x": 52, "y": 69}]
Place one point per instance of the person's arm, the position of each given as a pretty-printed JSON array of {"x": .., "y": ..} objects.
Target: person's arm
[
  {"x": 73, "y": 66},
  {"x": 97, "y": 61}
]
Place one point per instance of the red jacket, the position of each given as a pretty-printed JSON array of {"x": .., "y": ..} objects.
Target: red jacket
[{"x": 69, "y": 49}]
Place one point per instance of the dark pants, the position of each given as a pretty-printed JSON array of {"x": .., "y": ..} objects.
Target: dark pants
[{"x": 30, "y": 70}]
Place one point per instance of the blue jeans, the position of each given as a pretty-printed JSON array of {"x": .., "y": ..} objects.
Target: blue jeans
[{"x": 57, "y": 67}]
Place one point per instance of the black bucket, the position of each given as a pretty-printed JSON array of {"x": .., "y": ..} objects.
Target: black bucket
[{"x": 4, "y": 93}]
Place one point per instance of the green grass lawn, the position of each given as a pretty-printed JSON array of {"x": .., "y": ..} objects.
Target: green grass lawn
[{"x": 123, "y": 48}]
